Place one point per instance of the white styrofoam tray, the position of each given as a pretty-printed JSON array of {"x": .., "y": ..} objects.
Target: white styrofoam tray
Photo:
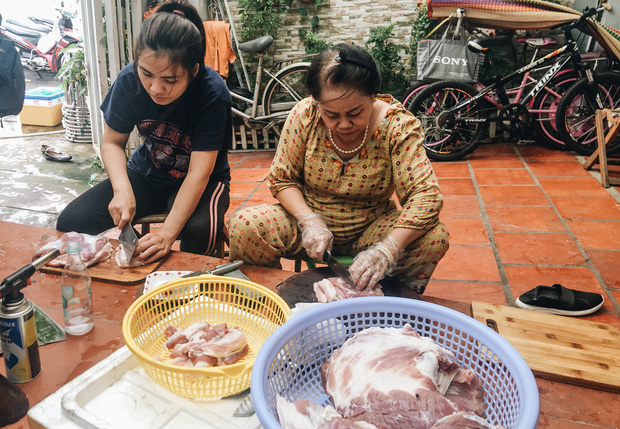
[{"x": 117, "y": 393}]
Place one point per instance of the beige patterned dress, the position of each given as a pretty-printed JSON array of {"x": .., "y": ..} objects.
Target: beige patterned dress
[{"x": 355, "y": 197}]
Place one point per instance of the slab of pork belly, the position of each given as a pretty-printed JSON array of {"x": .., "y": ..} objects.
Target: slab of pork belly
[
  {"x": 305, "y": 414},
  {"x": 391, "y": 378},
  {"x": 95, "y": 248},
  {"x": 334, "y": 289}
]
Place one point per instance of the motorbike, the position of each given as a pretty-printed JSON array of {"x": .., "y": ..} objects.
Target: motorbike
[{"x": 41, "y": 42}]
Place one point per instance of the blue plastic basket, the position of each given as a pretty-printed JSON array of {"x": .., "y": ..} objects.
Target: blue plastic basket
[{"x": 289, "y": 363}]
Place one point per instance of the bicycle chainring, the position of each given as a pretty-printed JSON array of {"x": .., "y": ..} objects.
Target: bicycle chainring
[{"x": 513, "y": 118}]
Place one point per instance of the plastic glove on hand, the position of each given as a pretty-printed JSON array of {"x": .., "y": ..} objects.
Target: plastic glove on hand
[
  {"x": 371, "y": 265},
  {"x": 316, "y": 238}
]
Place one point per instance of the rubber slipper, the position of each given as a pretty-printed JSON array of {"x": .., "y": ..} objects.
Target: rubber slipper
[
  {"x": 558, "y": 299},
  {"x": 53, "y": 154}
]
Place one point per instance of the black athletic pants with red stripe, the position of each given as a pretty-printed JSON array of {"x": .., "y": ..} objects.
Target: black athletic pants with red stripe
[{"x": 88, "y": 213}]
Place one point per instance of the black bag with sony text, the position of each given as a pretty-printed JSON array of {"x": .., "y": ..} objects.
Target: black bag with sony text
[{"x": 448, "y": 59}]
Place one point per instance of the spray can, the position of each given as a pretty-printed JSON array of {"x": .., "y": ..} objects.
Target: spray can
[
  {"x": 18, "y": 331},
  {"x": 19, "y": 340}
]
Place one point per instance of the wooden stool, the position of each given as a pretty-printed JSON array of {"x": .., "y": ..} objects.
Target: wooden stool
[
  {"x": 600, "y": 154},
  {"x": 222, "y": 239}
]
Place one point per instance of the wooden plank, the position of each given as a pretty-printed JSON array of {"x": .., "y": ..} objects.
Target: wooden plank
[
  {"x": 560, "y": 348},
  {"x": 109, "y": 271}
]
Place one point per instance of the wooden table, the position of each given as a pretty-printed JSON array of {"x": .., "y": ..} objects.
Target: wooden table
[{"x": 562, "y": 405}]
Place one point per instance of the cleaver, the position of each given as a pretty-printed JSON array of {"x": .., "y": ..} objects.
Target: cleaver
[
  {"x": 129, "y": 239},
  {"x": 338, "y": 269}
]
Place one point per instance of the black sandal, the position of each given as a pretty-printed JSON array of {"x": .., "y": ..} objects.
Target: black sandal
[
  {"x": 557, "y": 299},
  {"x": 52, "y": 154}
]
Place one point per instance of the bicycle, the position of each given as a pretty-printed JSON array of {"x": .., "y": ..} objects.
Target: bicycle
[
  {"x": 286, "y": 87},
  {"x": 454, "y": 115}
]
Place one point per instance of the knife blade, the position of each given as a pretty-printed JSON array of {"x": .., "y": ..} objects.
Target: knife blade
[
  {"x": 217, "y": 271},
  {"x": 338, "y": 269},
  {"x": 129, "y": 239}
]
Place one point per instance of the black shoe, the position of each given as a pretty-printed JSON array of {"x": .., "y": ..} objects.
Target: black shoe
[{"x": 557, "y": 299}]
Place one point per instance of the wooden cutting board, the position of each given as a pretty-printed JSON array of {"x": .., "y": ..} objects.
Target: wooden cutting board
[
  {"x": 109, "y": 271},
  {"x": 560, "y": 348}
]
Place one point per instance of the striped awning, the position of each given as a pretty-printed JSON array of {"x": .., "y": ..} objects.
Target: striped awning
[{"x": 523, "y": 15}]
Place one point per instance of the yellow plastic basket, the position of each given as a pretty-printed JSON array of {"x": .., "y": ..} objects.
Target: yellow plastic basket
[{"x": 256, "y": 310}]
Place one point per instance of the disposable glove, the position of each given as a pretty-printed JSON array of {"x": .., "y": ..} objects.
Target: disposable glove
[
  {"x": 372, "y": 265},
  {"x": 315, "y": 236}
]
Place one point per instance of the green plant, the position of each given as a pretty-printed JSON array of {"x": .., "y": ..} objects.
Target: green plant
[
  {"x": 73, "y": 69},
  {"x": 422, "y": 25},
  {"x": 316, "y": 43},
  {"x": 386, "y": 54},
  {"x": 310, "y": 10},
  {"x": 261, "y": 17}
]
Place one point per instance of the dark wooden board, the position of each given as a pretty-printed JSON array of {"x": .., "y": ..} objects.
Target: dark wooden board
[
  {"x": 109, "y": 271},
  {"x": 298, "y": 287}
]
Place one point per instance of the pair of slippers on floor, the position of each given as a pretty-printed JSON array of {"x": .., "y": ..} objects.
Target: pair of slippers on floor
[
  {"x": 53, "y": 154},
  {"x": 558, "y": 299}
]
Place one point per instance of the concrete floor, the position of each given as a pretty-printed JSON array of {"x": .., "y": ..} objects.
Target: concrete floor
[{"x": 33, "y": 190}]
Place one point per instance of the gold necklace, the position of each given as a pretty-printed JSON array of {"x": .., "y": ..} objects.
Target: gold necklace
[{"x": 331, "y": 139}]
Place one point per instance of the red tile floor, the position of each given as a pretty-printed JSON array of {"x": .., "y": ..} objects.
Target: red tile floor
[{"x": 519, "y": 216}]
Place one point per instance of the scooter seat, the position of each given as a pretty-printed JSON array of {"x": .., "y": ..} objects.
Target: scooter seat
[
  {"x": 20, "y": 31},
  {"x": 481, "y": 45},
  {"x": 29, "y": 25}
]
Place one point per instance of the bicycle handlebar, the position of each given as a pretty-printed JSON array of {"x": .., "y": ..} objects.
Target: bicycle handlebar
[{"x": 587, "y": 13}]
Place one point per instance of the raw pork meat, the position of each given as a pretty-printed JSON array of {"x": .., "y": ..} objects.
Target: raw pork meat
[
  {"x": 463, "y": 420},
  {"x": 95, "y": 248},
  {"x": 121, "y": 259},
  {"x": 205, "y": 344},
  {"x": 334, "y": 289},
  {"x": 394, "y": 378},
  {"x": 304, "y": 414}
]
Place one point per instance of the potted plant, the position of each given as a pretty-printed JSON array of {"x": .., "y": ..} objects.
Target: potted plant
[{"x": 76, "y": 114}]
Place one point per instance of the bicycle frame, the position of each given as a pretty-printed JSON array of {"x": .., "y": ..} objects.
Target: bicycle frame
[
  {"x": 254, "y": 102},
  {"x": 566, "y": 54}
]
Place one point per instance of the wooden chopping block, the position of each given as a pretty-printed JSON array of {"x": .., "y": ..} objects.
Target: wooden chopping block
[
  {"x": 109, "y": 271},
  {"x": 566, "y": 349}
]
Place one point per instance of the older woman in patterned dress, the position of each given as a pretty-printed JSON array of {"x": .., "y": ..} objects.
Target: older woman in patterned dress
[{"x": 343, "y": 153}]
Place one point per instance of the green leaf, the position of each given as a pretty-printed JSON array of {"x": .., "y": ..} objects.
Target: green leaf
[
  {"x": 318, "y": 2},
  {"x": 314, "y": 21},
  {"x": 303, "y": 12},
  {"x": 302, "y": 32}
]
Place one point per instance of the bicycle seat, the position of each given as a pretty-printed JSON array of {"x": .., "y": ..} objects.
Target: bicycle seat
[
  {"x": 481, "y": 45},
  {"x": 537, "y": 42},
  {"x": 256, "y": 46}
]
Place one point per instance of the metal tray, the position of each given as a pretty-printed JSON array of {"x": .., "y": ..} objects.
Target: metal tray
[{"x": 117, "y": 393}]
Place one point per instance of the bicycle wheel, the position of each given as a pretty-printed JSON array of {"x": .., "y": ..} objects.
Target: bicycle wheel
[
  {"x": 286, "y": 89},
  {"x": 412, "y": 92},
  {"x": 545, "y": 105},
  {"x": 445, "y": 139},
  {"x": 575, "y": 115}
]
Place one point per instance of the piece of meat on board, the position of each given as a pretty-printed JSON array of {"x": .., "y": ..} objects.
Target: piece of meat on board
[
  {"x": 393, "y": 377},
  {"x": 334, "y": 289},
  {"x": 94, "y": 248}
]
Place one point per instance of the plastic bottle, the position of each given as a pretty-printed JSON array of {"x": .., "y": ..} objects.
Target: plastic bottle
[{"x": 77, "y": 300}]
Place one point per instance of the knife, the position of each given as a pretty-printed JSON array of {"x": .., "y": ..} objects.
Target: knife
[
  {"x": 338, "y": 269},
  {"x": 217, "y": 271},
  {"x": 129, "y": 240}
]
